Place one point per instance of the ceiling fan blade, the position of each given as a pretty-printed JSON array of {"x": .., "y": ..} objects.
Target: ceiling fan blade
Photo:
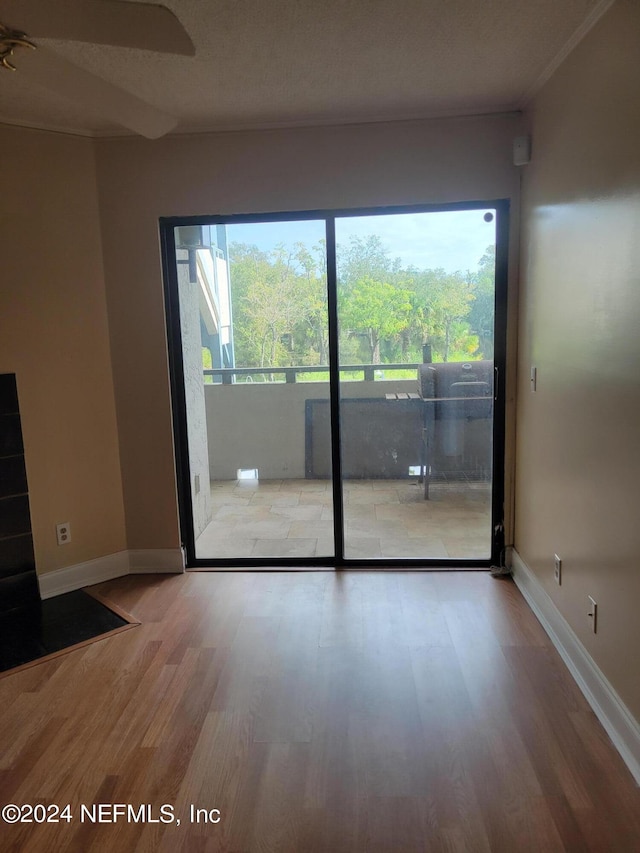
[
  {"x": 140, "y": 25},
  {"x": 47, "y": 69}
]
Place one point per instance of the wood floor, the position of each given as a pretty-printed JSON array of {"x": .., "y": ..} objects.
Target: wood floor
[{"x": 319, "y": 713}]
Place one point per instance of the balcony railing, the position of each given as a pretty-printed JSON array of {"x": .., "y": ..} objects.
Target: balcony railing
[
  {"x": 273, "y": 426},
  {"x": 291, "y": 373}
]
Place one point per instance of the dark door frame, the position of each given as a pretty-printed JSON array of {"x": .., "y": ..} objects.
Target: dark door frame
[{"x": 179, "y": 406}]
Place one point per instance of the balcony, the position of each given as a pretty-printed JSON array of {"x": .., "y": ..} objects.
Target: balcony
[{"x": 279, "y": 430}]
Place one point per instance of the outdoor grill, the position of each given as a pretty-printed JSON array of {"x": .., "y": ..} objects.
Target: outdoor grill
[{"x": 452, "y": 395}]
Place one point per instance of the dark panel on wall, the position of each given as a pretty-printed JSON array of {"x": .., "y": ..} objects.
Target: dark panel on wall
[
  {"x": 8, "y": 394},
  {"x": 18, "y": 581},
  {"x": 14, "y": 516},
  {"x": 10, "y": 435},
  {"x": 13, "y": 476},
  {"x": 16, "y": 555}
]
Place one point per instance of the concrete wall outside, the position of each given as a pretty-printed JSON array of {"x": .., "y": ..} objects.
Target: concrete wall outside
[
  {"x": 194, "y": 393},
  {"x": 262, "y": 425}
]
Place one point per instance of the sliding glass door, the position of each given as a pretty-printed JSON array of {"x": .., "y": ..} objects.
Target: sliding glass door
[
  {"x": 252, "y": 303},
  {"x": 416, "y": 296},
  {"x": 333, "y": 381}
]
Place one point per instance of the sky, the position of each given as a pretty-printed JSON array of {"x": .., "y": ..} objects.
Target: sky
[{"x": 452, "y": 240}]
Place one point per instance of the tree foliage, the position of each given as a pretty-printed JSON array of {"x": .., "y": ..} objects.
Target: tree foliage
[
  {"x": 481, "y": 318},
  {"x": 386, "y": 312},
  {"x": 375, "y": 309},
  {"x": 443, "y": 301},
  {"x": 279, "y": 305}
]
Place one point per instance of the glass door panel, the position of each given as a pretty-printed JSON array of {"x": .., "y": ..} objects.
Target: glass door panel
[
  {"x": 253, "y": 324},
  {"x": 416, "y": 304}
]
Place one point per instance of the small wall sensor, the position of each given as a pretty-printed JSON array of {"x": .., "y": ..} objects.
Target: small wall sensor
[{"x": 521, "y": 150}]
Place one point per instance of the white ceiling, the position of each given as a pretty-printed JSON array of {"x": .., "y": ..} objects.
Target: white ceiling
[{"x": 262, "y": 63}]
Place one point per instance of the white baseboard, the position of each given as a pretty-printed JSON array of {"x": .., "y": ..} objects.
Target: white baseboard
[
  {"x": 84, "y": 574},
  {"x": 163, "y": 561},
  {"x": 617, "y": 720}
]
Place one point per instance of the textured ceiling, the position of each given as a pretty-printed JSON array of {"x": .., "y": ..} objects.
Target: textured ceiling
[{"x": 261, "y": 63}]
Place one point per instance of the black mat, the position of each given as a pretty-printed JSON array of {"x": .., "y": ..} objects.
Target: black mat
[{"x": 35, "y": 631}]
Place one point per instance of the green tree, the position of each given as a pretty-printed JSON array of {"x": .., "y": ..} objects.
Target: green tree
[
  {"x": 481, "y": 317},
  {"x": 273, "y": 305},
  {"x": 312, "y": 331},
  {"x": 441, "y": 303},
  {"x": 365, "y": 257},
  {"x": 375, "y": 309},
  {"x": 246, "y": 263},
  {"x": 385, "y": 311},
  {"x": 367, "y": 276},
  {"x": 279, "y": 305},
  {"x": 266, "y": 303}
]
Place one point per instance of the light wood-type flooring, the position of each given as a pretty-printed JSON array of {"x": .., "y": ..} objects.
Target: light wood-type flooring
[
  {"x": 319, "y": 712},
  {"x": 382, "y": 518}
]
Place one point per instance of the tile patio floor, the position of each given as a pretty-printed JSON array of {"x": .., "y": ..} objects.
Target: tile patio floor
[{"x": 383, "y": 519}]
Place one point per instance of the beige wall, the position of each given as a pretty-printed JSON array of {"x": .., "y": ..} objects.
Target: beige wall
[
  {"x": 55, "y": 338},
  {"x": 331, "y": 167},
  {"x": 578, "y": 448}
]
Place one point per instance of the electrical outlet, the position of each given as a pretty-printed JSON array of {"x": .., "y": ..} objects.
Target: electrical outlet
[
  {"x": 557, "y": 570},
  {"x": 197, "y": 484},
  {"x": 592, "y": 613},
  {"x": 63, "y": 533}
]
